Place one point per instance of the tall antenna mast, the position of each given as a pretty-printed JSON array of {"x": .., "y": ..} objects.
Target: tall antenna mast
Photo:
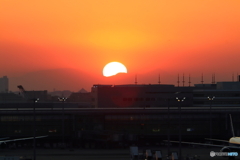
[
  {"x": 214, "y": 78},
  {"x": 135, "y": 79},
  {"x": 159, "y": 82},
  {"x": 183, "y": 80},
  {"x": 189, "y": 81},
  {"x": 178, "y": 80},
  {"x": 202, "y": 79}
]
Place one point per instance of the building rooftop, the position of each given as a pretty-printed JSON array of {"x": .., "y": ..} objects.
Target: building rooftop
[{"x": 134, "y": 85}]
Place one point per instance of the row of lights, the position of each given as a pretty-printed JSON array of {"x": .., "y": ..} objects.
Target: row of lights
[
  {"x": 35, "y": 100},
  {"x": 61, "y": 99},
  {"x": 211, "y": 98},
  {"x": 182, "y": 99}
]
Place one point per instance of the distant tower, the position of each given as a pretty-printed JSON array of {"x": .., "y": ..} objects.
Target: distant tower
[
  {"x": 178, "y": 80},
  {"x": 136, "y": 80},
  {"x": 189, "y": 81},
  {"x": 159, "y": 81},
  {"x": 183, "y": 80},
  {"x": 4, "y": 84},
  {"x": 233, "y": 77},
  {"x": 202, "y": 79},
  {"x": 213, "y": 78}
]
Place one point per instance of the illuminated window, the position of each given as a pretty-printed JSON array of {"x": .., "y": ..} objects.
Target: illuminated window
[
  {"x": 17, "y": 131},
  {"x": 190, "y": 129},
  {"x": 156, "y": 129},
  {"x": 52, "y": 130}
]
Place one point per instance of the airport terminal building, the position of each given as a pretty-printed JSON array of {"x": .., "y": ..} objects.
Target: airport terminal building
[{"x": 121, "y": 115}]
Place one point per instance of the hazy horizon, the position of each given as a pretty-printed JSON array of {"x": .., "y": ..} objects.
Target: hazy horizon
[
  {"x": 74, "y": 80},
  {"x": 41, "y": 39}
]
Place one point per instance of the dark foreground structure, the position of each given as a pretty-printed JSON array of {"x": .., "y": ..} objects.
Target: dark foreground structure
[
  {"x": 115, "y": 127},
  {"x": 103, "y": 154},
  {"x": 118, "y": 116}
]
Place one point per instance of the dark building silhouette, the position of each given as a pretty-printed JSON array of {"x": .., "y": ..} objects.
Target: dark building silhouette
[
  {"x": 4, "y": 84},
  {"x": 152, "y": 96},
  {"x": 80, "y": 97},
  {"x": 122, "y": 115},
  {"x": 140, "y": 96}
]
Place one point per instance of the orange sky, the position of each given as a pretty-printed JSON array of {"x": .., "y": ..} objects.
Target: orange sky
[{"x": 187, "y": 36}]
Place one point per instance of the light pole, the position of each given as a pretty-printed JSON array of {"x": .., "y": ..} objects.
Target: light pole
[
  {"x": 63, "y": 99},
  {"x": 35, "y": 100},
  {"x": 168, "y": 126},
  {"x": 211, "y": 98},
  {"x": 180, "y": 125}
]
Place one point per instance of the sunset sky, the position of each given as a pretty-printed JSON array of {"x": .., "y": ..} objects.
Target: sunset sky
[{"x": 150, "y": 37}]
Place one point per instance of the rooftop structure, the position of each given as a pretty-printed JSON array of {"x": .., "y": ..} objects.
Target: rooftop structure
[
  {"x": 139, "y": 96},
  {"x": 155, "y": 95}
]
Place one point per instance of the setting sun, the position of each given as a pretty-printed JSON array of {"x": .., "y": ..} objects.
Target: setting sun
[{"x": 114, "y": 68}]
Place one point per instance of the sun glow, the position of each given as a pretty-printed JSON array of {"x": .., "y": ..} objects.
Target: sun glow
[{"x": 114, "y": 68}]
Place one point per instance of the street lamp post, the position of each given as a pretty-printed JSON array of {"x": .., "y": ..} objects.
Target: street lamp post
[
  {"x": 180, "y": 125},
  {"x": 63, "y": 99},
  {"x": 35, "y": 100},
  {"x": 211, "y": 98},
  {"x": 168, "y": 126}
]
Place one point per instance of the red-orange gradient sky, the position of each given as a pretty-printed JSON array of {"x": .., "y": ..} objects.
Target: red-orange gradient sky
[{"x": 149, "y": 37}]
